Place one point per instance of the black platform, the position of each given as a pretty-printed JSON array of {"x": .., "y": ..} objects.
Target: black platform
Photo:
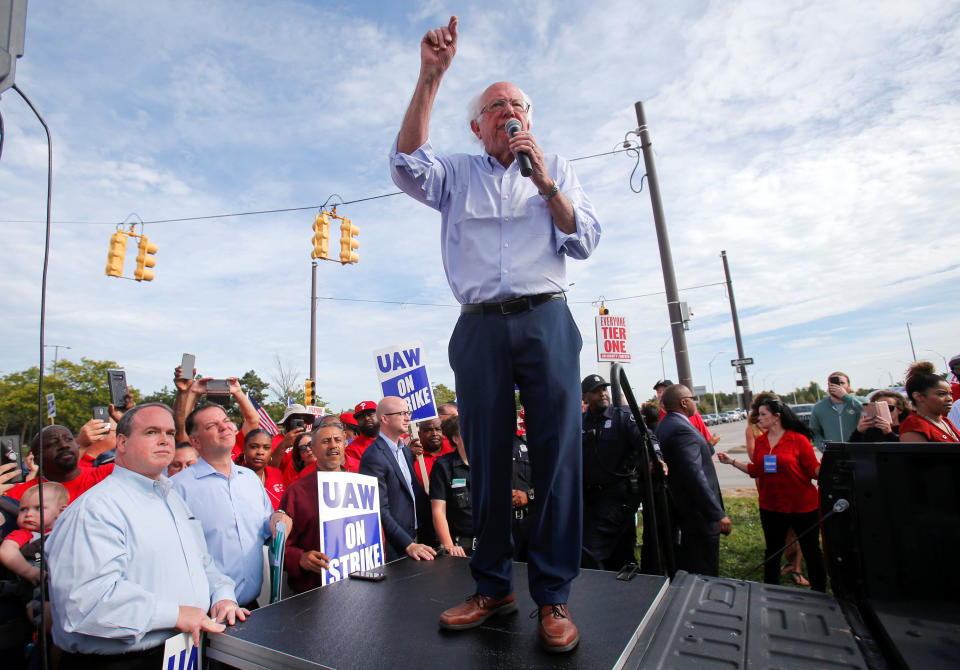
[{"x": 393, "y": 624}]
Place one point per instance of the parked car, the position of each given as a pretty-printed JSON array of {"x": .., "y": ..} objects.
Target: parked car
[
  {"x": 803, "y": 411},
  {"x": 730, "y": 416},
  {"x": 711, "y": 419}
]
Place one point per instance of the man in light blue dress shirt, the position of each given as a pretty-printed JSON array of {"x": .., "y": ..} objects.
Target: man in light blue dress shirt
[
  {"x": 504, "y": 240},
  {"x": 230, "y": 501},
  {"x": 128, "y": 563}
]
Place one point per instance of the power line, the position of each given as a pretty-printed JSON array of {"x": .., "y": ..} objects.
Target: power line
[{"x": 265, "y": 211}]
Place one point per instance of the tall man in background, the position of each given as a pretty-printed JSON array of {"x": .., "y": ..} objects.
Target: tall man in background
[{"x": 504, "y": 241}]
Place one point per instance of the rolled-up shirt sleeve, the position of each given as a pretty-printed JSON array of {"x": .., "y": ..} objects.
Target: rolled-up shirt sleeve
[
  {"x": 580, "y": 243},
  {"x": 420, "y": 174}
]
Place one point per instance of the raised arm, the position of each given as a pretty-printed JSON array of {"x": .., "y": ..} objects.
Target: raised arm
[
  {"x": 437, "y": 49},
  {"x": 251, "y": 420}
]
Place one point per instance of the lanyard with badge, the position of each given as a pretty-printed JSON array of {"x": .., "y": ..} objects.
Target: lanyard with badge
[{"x": 770, "y": 461}]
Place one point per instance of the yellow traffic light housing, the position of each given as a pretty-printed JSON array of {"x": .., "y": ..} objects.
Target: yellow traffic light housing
[
  {"x": 348, "y": 242},
  {"x": 145, "y": 260},
  {"x": 308, "y": 392},
  {"x": 321, "y": 236},
  {"x": 603, "y": 309},
  {"x": 116, "y": 254}
]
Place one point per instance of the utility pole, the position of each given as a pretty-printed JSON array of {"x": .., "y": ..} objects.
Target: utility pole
[
  {"x": 742, "y": 369},
  {"x": 313, "y": 324},
  {"x": 666, "y": 259},
  {"x": 912, "y": 350},
  {"x": 663, "y": 368}
]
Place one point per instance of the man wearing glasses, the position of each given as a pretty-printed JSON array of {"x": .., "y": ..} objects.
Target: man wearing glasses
[
  {"x": 504, "y": 242},
  {"x": 697, "y": 507},
  {"x": 404, "y": 506}
]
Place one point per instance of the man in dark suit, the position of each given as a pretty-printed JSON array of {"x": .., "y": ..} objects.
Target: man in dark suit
[
  {"x": 698, "y": 510},
  {"x": 401, "y": 495}
]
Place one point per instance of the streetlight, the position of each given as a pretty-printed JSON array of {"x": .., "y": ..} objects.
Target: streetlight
[
  {"x": 56, "y": 354},
  {"x": 663, "y": 368},
  {"x": 946, "y": 366},
  {"x": 716, "y": 410}
]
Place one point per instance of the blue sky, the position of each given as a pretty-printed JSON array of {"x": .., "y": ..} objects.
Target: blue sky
[{"x": 816, "y": 142}]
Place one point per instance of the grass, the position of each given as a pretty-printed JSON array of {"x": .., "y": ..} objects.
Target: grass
[{"x": 742, "y": 550}]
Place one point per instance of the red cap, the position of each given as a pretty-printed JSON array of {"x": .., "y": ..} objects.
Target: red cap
[
  {"x": 347, "y": 418},
  {"x": 364, "y": 406}
]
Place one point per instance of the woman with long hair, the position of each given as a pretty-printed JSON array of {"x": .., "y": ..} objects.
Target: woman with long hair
[
  {"x": 874, "y": 427},
  {"x": 784, "y": 467},
  {"x": 932, "y": 400}
]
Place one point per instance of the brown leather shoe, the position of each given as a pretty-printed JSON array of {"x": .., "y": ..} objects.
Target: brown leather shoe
[
  {"x": 557, "y": 632},
  {"x": 476, "y": 610}
]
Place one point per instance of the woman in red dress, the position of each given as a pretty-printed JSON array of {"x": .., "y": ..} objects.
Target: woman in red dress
[
  {"x": 931, "y": 397},
  {"x": 784, "y": 465}
]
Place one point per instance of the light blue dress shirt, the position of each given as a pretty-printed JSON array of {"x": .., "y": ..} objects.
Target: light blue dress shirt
[
  {"x": 235, "y": 514},
  {"x": 123, "y": 557},
  {"x": 498, "y": 239},
  {"x": 396, "y": 448}
]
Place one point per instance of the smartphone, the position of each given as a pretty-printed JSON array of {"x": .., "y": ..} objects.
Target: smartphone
[
  {"x": 10, "y": 453},
  {"x": 628, "y": 572},
  {"x": 102, "y": 413},
  {"x": 368, "y": 575},
  {"x": 298, "y": 423},
  {"x": 187, "y": 365},
  {"x": 217, "y": 386},
  {"x": 873, "y": 409},
  {"x": 117, "y": 381},
  {"x": 835, "y": 380}
]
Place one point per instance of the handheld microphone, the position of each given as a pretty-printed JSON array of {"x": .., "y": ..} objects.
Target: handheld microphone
[{"x": 513, "y": 126}]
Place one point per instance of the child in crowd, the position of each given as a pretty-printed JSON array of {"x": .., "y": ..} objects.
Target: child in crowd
[{"x": 55, "y": 500}]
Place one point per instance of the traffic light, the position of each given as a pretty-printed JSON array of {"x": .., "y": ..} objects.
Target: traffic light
[
  {"x": 603, "y": 309},
  {"x": 116, "y": 254},
  {"x": 145, "y": 260},
  {"x": 308, "y": 392},
  {"x": 348, "y": 242},
  {"x": 321, "y": 236}
]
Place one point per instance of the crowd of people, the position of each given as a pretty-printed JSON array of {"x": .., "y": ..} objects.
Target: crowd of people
[{"x": 189, "y": 478}]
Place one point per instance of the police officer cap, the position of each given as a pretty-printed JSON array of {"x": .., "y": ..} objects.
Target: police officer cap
[{"x": 592, "y": 383}]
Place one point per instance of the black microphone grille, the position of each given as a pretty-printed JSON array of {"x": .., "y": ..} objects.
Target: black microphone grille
[{"x": 513, "y": 126}]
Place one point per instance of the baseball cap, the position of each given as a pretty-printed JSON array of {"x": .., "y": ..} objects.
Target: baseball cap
[
  {"x": 364, "y": 406},
  {"x": 592, "y": 383},
  {"x": 347, "y": 418},
  {"x": 662, "y": 382}
]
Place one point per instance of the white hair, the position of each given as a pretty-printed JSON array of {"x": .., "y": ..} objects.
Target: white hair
[{"x": 474, "y": 106}]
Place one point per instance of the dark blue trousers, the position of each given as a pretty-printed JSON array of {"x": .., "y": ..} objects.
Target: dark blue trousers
[{"x": 539, "y": 351}]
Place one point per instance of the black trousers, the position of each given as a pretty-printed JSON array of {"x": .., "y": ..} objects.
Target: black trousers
[
  {"x": 698, "y": 553},
  {"x": 150, "y": 659},
  {"x": 775, "y": 527}
]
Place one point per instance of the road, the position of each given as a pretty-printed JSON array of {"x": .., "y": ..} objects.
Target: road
[{"x": 732, "y": 441}]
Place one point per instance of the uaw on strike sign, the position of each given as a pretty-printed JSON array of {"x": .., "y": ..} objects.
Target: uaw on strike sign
[
  {"x": 612, "y": 333},
  {"x": 349, "y": 523},
  {"x": 402, "y": 370}
]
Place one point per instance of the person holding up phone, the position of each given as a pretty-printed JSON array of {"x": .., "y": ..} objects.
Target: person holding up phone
[
  {"x": 834, "y": 418},
  {"x": 881, "y": 418}
]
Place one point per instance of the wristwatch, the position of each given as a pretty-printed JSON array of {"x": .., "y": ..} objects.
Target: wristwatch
[{"x": 552, "y": 192}]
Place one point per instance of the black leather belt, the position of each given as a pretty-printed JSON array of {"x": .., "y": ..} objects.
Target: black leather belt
[{"x": 512, "y": 306}]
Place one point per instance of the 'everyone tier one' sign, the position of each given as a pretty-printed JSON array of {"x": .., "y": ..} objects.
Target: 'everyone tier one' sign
[{"x": 612, "y": 338}]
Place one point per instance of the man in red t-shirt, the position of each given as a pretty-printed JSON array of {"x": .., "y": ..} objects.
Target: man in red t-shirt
[
  {"x": 429, "y": 444},
  {"x": 696, "y": 419},
  {"x": 366, "y": 415},
  {"x": 61, "y": 456}
]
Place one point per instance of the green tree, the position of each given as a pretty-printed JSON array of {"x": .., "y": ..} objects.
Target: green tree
[
  {"x": 77, "y": 388},
  {"x": 251, "y": 383},
  {"x": 164, "y": 395},
  {"x": 442, "y": 394}
]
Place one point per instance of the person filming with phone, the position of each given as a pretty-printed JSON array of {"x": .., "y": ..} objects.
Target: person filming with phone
[
  {"x": 834, "y": 418},
  {"x": 881, "y": 418}
]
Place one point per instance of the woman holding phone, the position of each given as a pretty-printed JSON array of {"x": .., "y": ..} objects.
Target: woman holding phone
[
  {"x": 881, "y": 418},
  {"x": 784, "y": 467},
  {"x": 932, "y": 400}
]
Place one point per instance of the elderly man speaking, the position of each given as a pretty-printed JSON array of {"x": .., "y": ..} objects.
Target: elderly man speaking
[{"x": 504, "y": 240}]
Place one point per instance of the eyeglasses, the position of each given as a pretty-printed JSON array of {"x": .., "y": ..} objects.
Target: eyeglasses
[
  {"x": 405, "y": 413},
  {"x": 500, "y": 104}
]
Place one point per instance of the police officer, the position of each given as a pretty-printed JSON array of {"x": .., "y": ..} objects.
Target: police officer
[
  {"x": 450, "y": 494},
  {"x": 522, "y": 493},
  {"x": 612, "y": 479}
]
